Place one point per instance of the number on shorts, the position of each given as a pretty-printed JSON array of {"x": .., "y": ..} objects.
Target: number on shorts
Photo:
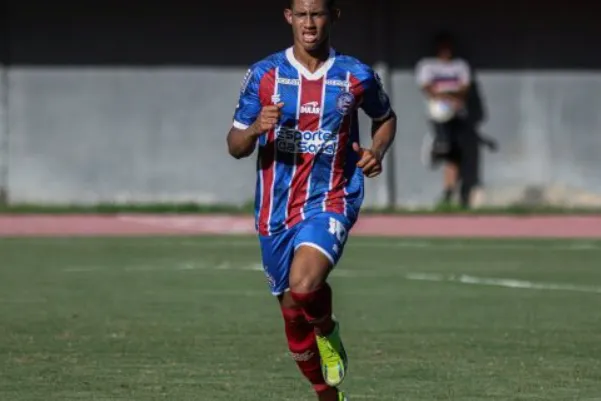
[{"x": 337, "y": 229}]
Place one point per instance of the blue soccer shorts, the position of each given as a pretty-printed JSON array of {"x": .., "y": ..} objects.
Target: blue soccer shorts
[{"x": 326, "y": 232}]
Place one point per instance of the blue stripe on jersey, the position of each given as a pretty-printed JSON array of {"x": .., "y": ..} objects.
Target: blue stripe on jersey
[
  {"x": 288, "y": 93},
  {"x": 331, "y": 121}
]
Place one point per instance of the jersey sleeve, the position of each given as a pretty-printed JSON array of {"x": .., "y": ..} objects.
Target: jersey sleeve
[
  {"x": 376, "y": 103},
  {"x": 249, "y": 104}
]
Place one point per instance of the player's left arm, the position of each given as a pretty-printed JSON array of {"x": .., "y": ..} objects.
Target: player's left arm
[{"x": 376, "y": 105}]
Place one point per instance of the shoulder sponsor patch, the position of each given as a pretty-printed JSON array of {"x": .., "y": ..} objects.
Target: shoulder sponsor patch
[{"x": 245, "y": 81}]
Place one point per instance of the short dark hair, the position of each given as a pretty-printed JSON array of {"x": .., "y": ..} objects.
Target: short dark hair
[{"x": 330, "y": 4}]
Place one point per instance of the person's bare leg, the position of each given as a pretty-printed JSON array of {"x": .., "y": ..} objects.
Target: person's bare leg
[{"x": 451, "y": 176}]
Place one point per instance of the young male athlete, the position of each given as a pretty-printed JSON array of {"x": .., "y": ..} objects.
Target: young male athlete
[{"x": 301, "y": 106}]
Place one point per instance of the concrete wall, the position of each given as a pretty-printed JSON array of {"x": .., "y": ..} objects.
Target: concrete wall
[{"x": 111, "y": 103}]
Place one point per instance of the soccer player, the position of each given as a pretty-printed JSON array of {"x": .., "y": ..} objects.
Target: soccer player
[{"x": 300, "y": 106}]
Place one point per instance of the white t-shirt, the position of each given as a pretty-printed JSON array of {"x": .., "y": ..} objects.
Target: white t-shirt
[{"x": 446, "y": 76}]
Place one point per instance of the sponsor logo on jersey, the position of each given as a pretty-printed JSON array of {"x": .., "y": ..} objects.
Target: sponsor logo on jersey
[
  {"x": 290, "y": 140},
  {"x": 336, "y": 82},
  {"x": 310, "y": 108},
  {"x": 345, "y": 102},
  {"x": 288, "y": 81}
]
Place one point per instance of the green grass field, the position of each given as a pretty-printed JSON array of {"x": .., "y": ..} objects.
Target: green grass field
[{"x": 183, "y": 319}]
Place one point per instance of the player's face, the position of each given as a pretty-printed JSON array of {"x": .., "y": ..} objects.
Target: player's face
[{"x": 311, "y": 22}]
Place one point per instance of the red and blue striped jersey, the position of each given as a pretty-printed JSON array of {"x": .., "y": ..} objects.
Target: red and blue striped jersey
[{"x": 306, "y": 165}]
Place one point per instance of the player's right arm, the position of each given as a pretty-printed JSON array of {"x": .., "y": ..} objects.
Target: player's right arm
[
  {"x": 251, "y": 119},
  {"x": 241, "y": 142}
]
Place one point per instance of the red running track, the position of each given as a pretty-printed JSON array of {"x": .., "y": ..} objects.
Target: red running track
[{"x": 401, "y": 226}]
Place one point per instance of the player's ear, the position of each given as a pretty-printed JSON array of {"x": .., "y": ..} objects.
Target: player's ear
[{"x": 288, "y": 15}]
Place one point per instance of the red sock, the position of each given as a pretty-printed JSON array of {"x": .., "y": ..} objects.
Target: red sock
[
  {"x": 303, "y": 347},
  {"x": 317, "y": 305}
]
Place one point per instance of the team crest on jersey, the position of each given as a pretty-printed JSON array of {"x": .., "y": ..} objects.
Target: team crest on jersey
[{"x": 345, "y": 102}]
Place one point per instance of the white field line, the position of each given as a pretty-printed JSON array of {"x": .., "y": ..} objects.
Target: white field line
[
  {"x": 429, "y": 245},
  {"x": 434, "y": 277},
  {"x": 424, "y": 245},
  {"x": 550, "y": 245},
  {"x": 503, "y": 282}
]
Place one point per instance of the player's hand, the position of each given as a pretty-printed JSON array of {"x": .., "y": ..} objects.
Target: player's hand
[
  {"x": 268, "y": 118},
  {"x": 370, "y": 161}
]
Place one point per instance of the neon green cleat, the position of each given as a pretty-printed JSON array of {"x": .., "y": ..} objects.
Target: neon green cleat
[
  {"x": 334, "y": 361},
  {"x": 342, "y": 397}
]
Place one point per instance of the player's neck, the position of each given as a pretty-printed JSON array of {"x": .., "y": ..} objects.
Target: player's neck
[{"x": 311, "y": 60}]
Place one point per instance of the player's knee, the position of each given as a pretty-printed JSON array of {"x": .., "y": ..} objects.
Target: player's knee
[
  {"x": 309, "y": 271},
  {"x": 306, "y": 285},
  {"x": 288, "y": 303}
]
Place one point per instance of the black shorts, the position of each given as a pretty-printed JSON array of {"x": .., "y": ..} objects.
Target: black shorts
[
  {"x": 447, "y": 140},
  {"x": 456, "y": 141}
]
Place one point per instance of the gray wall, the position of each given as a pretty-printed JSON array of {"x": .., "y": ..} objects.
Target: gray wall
[{"x": 113, "y": 104}]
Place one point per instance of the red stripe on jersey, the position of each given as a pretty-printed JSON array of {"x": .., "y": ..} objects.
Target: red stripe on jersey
[
  {"x": 266, "y": 156},
  {"x": 308, "y": 120},
  {"x": 335, "y": 198}
]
